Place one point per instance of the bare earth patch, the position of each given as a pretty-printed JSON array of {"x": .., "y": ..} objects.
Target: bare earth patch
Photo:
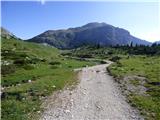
[{"x": 133, "y": 84}]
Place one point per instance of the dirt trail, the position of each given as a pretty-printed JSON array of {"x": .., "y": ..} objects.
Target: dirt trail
[{"x": 97, "y": 97}]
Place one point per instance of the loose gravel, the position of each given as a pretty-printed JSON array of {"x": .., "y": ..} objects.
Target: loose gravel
[{"x": 96, "y": 97}]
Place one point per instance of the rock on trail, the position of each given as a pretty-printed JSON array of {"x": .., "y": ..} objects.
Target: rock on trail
[{"x": 96, "y": 97}]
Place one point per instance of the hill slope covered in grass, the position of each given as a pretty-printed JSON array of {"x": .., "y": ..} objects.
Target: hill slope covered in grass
[{"x": 30, "y": 72}]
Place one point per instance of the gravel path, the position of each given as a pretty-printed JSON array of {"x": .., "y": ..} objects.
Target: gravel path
[{"x": 96, "y": 97}]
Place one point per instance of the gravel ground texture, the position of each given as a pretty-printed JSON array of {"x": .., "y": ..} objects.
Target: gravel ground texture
[{"x": 96, "y": 97}]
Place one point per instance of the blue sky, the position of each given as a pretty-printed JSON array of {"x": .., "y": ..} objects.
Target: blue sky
[{"x": 28, "y": 19}]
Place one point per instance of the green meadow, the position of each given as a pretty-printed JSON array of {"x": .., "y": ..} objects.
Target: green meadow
[
  {"x": 142, "y": 66},
  {"x": 30, "y": 72}
]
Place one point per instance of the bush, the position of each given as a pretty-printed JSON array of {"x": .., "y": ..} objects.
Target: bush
[
  {"x": 4, "y": 95},
  {"x": 7, "y": 52},
  {"x": 54, "y": 67},
  {"x": 9, "y": 95},
  {"x": 7, "y": 69},
  {"x": 69, "y": 66},
  {"x": 22, "y": 55},
  {"x": 102, "y": 62},
  {"x": 119, "y": 64},
  {"x": 54, "y": 63},
  {"x": 85, "y": 56},
  {"x": 34, "y": 60},
  {"x": 33, "y": 92},
  {"x": 23, "y": 61},
  {"x": 20, "y": 62},
  {"x": 115, "y": 58},
  {"x": 110, "y": 53},
  {"x": 43, "y": 60},
  {"x": 24, "y": 81},
  {"x": 28, "y": 67}
]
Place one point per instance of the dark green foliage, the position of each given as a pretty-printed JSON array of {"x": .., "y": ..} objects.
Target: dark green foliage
[
  {"x": 141, "y": 49},
  {"x": 11, "y": 95},
  {"x": 21, "y": 62},
  {"x": 154, "y": 83},
  {"x": 35, "y": 60},
  {"x": 32, "y": 92},
  {"x": 28, "y": 67},
  {"x": 43, "y": 60},
  {"x": 14, "y": 55},
  {"x": 115, "y": 58},
  {"x": 8, "y": 69},
  {"x": 24, "y": 61},
  {"x": 69, "y": 66},
  {"x": 54, "y": 67},
  {"x": 54, "y": 63},
  {"x": 85, "y": 56},
  {"x": 93, "y": 52},
  {"x": 102, "y": 62},
  {"x": 110, "y": 52}
]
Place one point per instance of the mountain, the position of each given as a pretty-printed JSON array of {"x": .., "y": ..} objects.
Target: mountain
[
  {"x": 158, "y": 42},
  {"x": 6, "y": 34},
  {"x": 90, "y": 34}
]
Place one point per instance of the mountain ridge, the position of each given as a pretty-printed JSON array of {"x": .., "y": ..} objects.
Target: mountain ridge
[
  {"x": 157, "y": 42},
  {"x": 90, "y": 34}
]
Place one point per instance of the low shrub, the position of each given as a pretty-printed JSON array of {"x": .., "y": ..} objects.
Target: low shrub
[
  {"x": 115, "y": 58},
  {"x": 7, "y": 69},
  {"x": 43, "y": 60},
  {"x": 85, "y": 56},
  {"x": 54, "y": 67},
  {"x": 21, "y": 62},
  {"x": 102, "y": 62},
  {"x": 8, "y": 95},
  {"x": 54, "y": 63},
  {"x": 34, "y": 60},
  {"x": 28, "y": 67}
]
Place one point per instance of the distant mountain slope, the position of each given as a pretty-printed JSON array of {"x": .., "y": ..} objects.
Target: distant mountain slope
[
  {"x": 158, "y": 42},
  {"x": 6, "y": 34},
  {"x": 90, "y": 34}
]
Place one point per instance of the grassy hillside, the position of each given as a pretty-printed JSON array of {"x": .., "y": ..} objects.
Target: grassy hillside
[
  {"x": 140, "y": 77},
  {"x": 30, "y": 72}
]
